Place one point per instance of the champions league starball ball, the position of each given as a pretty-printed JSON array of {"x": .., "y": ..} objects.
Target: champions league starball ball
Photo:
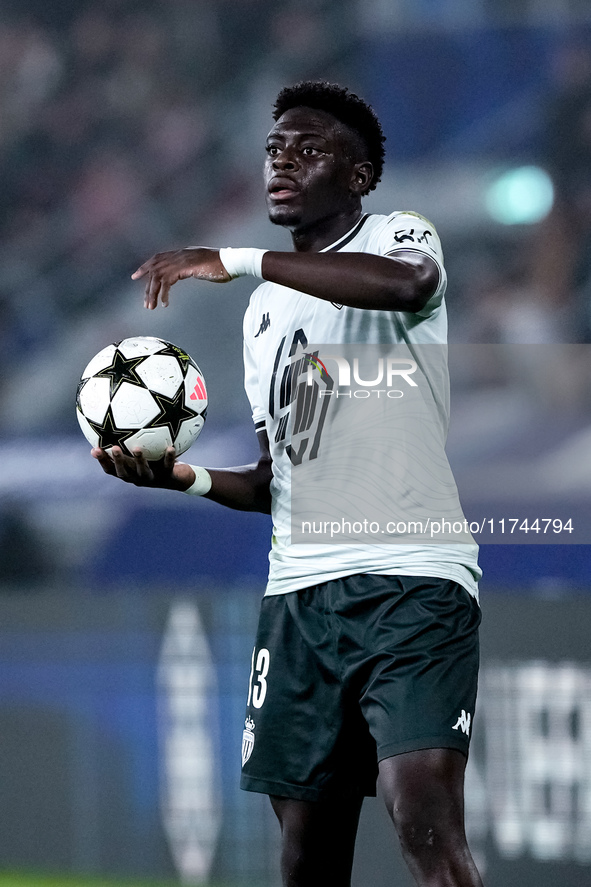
[{"x": 142, "y": 393}]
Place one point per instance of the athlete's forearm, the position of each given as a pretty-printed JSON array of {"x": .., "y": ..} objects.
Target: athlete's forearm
[
  {"x": 246, "y": 488},
  {"x": 359, "y": 280}
]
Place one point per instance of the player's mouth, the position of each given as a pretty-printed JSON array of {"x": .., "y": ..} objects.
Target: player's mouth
[{"x": 282, "y": 189}]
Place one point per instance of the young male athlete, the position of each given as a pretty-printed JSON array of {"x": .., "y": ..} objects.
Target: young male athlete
[{"x": 366, "y": 659}]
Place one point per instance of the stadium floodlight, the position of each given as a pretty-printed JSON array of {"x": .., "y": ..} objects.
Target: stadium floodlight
[{"x": 520, "y": 196}]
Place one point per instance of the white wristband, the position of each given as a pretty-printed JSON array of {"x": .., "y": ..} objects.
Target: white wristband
[
  {"x": 245, "y": 260},
  {"x": 202, "y": 483}
]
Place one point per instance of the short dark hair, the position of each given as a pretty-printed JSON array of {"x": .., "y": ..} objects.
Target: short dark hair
[{"x": 346, "y": 107}]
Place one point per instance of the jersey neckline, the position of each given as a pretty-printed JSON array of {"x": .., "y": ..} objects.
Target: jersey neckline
[{"x": 347, "y": 238}]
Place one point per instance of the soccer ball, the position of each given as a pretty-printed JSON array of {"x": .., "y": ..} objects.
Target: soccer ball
[{"x": 142, "y": 392}]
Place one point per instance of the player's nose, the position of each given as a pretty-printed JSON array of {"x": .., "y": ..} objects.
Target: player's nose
[{"x": 286, "y": 160}]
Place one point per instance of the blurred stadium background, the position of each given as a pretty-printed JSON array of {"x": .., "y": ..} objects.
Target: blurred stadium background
[{"x": 126, "y": 617}]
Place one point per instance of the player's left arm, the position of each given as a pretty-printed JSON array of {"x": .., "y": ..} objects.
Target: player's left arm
[{"x": 404, "y": 281}]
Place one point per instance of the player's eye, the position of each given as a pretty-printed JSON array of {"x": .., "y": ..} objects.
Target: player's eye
[
  {"x": 310, "y": 150},
  {"x": 272, "y": 150}
]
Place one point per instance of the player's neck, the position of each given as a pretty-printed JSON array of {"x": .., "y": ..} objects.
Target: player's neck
[{"x": 324, "y": 232}]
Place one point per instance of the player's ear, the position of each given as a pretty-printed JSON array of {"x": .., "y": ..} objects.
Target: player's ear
[{"x": 362, "y": 177}]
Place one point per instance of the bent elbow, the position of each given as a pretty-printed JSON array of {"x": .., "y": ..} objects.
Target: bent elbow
[{"x": 416, "y": 281}]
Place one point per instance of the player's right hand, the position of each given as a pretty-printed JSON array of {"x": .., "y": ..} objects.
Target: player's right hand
[
  {"x": 136, "y": 469},
  {"x": 165, "y": 269}
]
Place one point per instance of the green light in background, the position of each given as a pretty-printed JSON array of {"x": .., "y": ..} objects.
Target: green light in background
[{"x": 521, "y": 196}]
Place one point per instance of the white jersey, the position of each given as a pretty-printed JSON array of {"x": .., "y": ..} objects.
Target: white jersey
[{"x": 279, "y": 323}]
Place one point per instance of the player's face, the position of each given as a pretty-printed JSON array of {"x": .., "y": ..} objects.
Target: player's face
[{"x": 309, "y": 174}]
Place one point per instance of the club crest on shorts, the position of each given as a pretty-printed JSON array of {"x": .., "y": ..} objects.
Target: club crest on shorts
[{"x": 247, "y": 740}]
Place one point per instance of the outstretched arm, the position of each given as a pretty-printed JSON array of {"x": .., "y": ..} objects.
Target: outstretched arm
[
  {"x": 402, "y": 282},
  {"x": 246, "y": 488}
]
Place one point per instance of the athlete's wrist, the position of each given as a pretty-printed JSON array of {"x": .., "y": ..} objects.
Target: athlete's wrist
[
  {"x": 242, "y": 261},
  {"x": 202, "y": 483}
]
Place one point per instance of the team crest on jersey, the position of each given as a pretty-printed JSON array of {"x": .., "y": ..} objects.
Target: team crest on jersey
[{"x": 247, "y": 740}]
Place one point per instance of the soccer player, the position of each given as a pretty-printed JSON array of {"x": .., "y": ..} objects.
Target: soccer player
[{"x": 366, "y": 659}]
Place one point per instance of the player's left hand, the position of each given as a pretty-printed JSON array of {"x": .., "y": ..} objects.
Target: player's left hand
[
  {"x": 136, "y": 469},
  {"x": 164, "y": 270}
]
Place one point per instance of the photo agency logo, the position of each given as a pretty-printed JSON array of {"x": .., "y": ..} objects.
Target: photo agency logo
[
  {"x": 391, "y": 376},
  {"x": 367, "y": 433},
  {"x": 378, "y": 471},
  {"x": 313, "y": 387}
]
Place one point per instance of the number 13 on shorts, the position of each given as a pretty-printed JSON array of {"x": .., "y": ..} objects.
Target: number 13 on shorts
[{"x": 257, "y": 683}]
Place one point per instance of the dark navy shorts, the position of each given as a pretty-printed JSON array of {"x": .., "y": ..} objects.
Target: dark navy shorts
[{"x": 352, "y": 671}]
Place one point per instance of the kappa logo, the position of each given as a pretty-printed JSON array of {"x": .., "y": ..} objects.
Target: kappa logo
[
  {"x": 463, "y": 723},
  {"x": 247, "y": 740},
  {"x": 265, "y": 324}
]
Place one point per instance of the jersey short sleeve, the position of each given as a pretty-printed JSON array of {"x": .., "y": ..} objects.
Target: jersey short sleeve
[
  {"x": 251, "y": 375},
  {"x": 411, "y": 231}
]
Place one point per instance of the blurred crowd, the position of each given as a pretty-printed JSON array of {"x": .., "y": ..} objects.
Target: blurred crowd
[
  {"x": 536, "y": 288},
  {"x": 111, "y": 141},
  {"x": 112, "y": 145},
  {"x": 131, "y": 125},
  {"x": 96, "y": 114}
]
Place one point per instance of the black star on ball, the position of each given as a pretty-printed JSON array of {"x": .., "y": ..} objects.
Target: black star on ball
[
  {"x": 183, "y": 358},
  {"x": 122, "y": 369},
  {"x": 109, "y": 435},
  {"x": 173, "y": 412}
]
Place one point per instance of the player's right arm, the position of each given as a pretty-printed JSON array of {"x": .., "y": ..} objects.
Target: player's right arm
[
  {"x": 246, "y": 488},
  {"x": 403, "y": 280},
  {"x": 165, "y": 269}
]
